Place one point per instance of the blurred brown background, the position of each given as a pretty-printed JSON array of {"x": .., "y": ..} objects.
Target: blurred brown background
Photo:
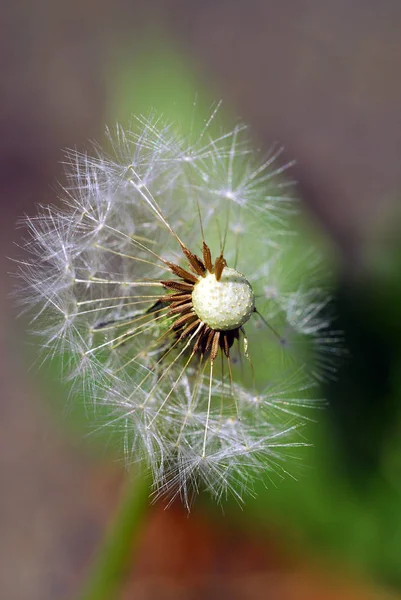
[{"x": 320, "y": 77}]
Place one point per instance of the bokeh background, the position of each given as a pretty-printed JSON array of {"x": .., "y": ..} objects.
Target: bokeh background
[{"x": 320, "y": 77}]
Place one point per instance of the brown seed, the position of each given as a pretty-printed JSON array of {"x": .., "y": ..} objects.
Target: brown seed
[
  {"x": 209, "y": 339},
  {"x": 177, "y": 308},
  {"x": 215, "y": 346},
  {"x": 182, "y": 320},
  {"x": 190, "y": 328},
  {"x": 180, "y": 272},
  {"x": 219, "y": 266},
  {"x": 178, "y": 285},
  {"x": 225, "y": 345},
  {"x": 175, "y": 297},
  {"x": 195, "y": 262},
  {"x": 207, "y": 257}
]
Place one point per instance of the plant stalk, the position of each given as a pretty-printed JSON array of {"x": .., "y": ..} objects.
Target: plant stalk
[{"x": 115, "y": 555}]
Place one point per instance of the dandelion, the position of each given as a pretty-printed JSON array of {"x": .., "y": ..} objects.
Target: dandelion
[{"x": 169, "y": 283}]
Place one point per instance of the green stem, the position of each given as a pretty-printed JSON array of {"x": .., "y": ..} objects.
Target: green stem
[{"x": 115, "y": 555}]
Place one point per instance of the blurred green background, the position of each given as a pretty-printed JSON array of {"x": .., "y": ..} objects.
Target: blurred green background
[{"x": 316, "y": 76}]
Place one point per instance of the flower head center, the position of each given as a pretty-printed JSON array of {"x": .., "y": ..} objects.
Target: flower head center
[{"x": 226, "y": 303}]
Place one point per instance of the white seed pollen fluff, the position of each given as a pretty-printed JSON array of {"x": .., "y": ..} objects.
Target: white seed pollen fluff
[
  {"x": 201, "y": 373},
  {"x": 223, "y": 304}
]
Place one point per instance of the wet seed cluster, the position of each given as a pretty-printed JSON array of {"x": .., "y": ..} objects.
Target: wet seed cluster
[{"x": 211, "y": 302}]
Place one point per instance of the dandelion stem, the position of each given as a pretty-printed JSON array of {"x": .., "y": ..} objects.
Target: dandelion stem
[{"x": 115, "y": 555}]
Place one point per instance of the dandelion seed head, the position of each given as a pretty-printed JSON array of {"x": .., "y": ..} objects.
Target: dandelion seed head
[{"x": 166, "y": 283}]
